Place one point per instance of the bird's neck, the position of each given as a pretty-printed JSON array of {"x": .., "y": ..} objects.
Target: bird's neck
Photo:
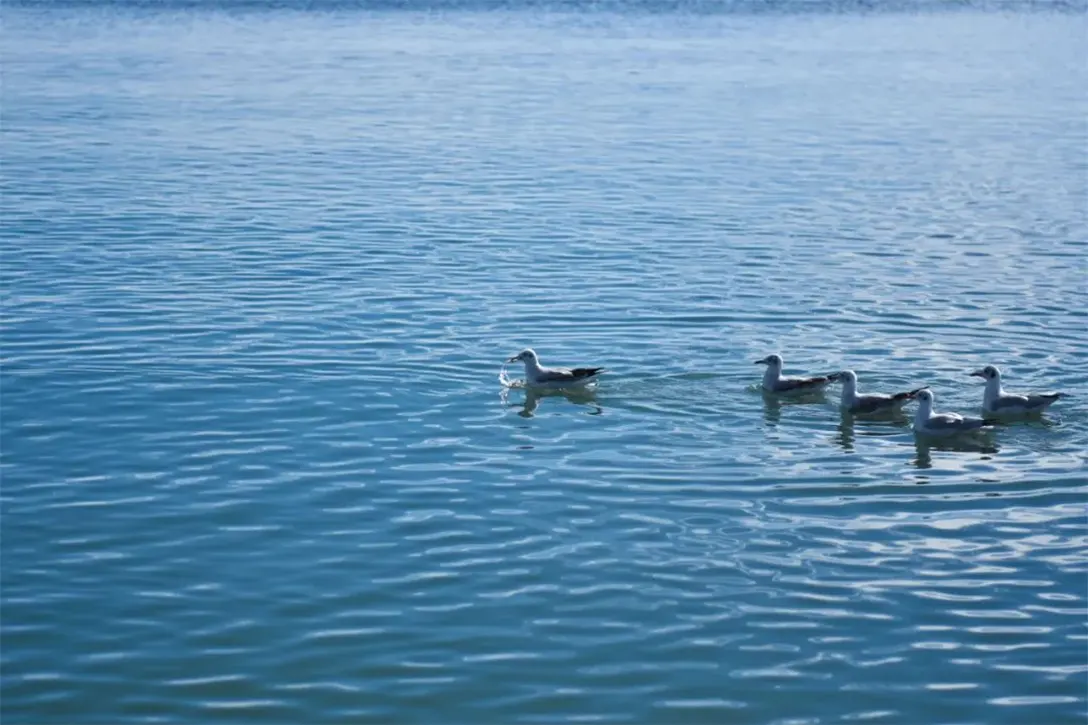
[
  {"x": 993, "y": 389},
  {"x": 771, "y": 375},
  {"x": 532, "y": 367},
  {"x": 924, "y": 412},
  {"x": 849, "y": 390}
]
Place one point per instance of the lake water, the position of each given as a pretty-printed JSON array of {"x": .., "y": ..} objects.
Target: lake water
[{"x": 260, "y": 271}]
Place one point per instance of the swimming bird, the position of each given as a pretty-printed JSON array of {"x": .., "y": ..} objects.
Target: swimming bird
[
  {"x": 995, "y": 400},
  {"x": 774, "y": 382},
  {"x": 944, "y": 424},
  {"x": 535, "y": 374},
  {"x": 854, "y": 402}
]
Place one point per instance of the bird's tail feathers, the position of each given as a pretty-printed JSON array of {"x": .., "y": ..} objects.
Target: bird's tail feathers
[{"x": 909, "y": 395}]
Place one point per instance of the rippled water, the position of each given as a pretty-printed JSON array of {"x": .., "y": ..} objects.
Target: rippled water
[{"x": 260, "y": 271}]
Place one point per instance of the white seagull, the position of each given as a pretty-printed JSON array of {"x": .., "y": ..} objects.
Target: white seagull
[
  {"x": 537, "y": 375},
  {"x": 943, "y": 424},
  {"x": 996, "y": 401},
  {"x": 774, "y": 382},
  {"x": 853, "y": 402}
]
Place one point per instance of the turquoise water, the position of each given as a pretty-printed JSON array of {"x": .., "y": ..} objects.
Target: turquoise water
[{"x": 260, "y": 271}]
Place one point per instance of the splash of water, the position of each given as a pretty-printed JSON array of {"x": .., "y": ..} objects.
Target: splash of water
[{"x": 507, "y": 381}]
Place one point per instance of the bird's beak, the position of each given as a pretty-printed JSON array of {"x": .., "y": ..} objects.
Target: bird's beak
[
  {"x": 513, "y": 359},
  {"x": 761, "y": 362},
  {"x": 978, "y": 374}
]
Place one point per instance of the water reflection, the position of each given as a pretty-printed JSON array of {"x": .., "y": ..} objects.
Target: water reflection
[
  {"x": 847, "y": 422},
  {"x": 533, "y": 397},
  {"x": 846, "y": 432},
  {"x": 924, "y": 448},
  {"x": 773, "y": 404}
]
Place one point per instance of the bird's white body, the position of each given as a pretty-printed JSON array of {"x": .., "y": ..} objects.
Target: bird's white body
[
  {"x": 539, "y": 376},
  {"x": 995, "y": 401},
  {"x": 775, "y": 382},
  {"x": 928, "y": 422},
  {"x": 854, "y": 402}
]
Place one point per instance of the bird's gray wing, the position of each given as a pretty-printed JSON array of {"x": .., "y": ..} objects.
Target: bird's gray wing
[
  {"x": 873, "y": 402},
  {"x": 1041, "y": 400},
  {"x": 1011, "y": 401},
  {"x": 563, "y": 375},
  {"x": 952, "y": 421},
  {"x": 555, "y": 375},
  {"x": 786, "y": 385}
]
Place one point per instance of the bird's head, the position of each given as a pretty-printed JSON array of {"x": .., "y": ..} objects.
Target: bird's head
[
  {"x": 526, "y": 355},
  {"x": 773, "y": 362},
  {"x": 990, "y": 372}
]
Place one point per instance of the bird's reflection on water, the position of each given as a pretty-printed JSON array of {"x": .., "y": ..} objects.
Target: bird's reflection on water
[
  {"x": 877, "y": 423},
  {"x": 925, "y": 446},
  {"x": 846, "y": 432},
  {"x": 533, "y": 397},
  {"x": 773, "y": 404}
]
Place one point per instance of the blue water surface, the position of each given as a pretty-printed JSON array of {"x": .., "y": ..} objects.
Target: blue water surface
[{"x": 261, "y": 266}]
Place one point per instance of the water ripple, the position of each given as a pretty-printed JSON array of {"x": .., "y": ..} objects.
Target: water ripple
[{"x": 259, "y": 278}]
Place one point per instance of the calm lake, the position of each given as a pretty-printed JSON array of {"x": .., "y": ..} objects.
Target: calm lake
[{"x": 261, "y": 267}]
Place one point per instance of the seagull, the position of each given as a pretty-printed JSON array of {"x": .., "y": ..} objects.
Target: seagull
[
  {"x": 995, "y": 400},
  {"x": 943, "y": 424},
  {"x": 553, "y": 377},
  {"x": 870, "y": 402},
  {"x": 773, "y": 382}
]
